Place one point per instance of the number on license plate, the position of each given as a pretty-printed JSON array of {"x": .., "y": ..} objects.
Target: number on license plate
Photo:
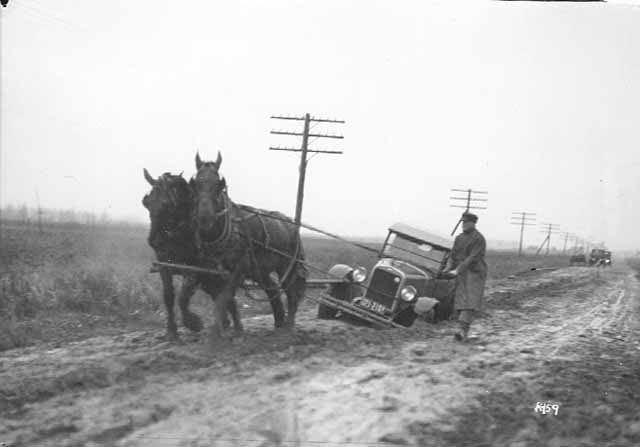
[{"x": 372, "y": 305}]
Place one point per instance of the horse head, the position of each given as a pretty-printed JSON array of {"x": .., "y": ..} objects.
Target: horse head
[
  {"x": 168, "y": 202},
  {"x": 209, "y": 190}
]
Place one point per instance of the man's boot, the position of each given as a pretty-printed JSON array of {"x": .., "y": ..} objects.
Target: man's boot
[{"x": 463, "y": 331}]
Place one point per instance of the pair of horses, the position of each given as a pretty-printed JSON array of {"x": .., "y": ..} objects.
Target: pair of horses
[{"x": 195, "y": 223}]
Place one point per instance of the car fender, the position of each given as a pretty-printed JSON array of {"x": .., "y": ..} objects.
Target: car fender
[
  {"x": 340, "y": 271},
  {"x": 424, "y": 305}
]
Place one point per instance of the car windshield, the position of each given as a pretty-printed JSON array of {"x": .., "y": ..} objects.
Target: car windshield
[{"x": 418, "y": 253}]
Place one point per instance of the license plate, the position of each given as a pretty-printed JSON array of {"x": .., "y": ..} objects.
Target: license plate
[{"x": 372, "y": 305}]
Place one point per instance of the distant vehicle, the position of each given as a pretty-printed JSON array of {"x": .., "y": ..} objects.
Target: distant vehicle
[
  {"x": 600, "y": 257},
  {"x": 578, "y": 260},
  {"x": 408, "y": 279}
]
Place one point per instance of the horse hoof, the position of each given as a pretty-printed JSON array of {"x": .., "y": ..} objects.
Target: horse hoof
[
  {"x": 219, "y": 342},
  {"x": 192, "y": 322},
  {"x": 218, "y": 337},
  {"x": 238, "y": 337},
  {"x": 169, "y": 336}
]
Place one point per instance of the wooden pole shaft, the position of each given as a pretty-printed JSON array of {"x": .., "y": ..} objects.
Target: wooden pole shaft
[
  {"x": 521, "y": 235},
  {"x": 303, "y": 169}
]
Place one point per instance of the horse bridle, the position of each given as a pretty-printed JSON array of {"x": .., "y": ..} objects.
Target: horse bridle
[{"x": 226, "y": 230}]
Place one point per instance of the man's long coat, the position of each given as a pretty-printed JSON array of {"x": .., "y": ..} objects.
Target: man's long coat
[{"x": 467, "y": 257}]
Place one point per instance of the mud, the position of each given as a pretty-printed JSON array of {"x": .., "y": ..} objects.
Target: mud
[{"x": 568, "y": 337}]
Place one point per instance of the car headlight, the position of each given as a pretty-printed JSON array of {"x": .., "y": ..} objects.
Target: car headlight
[
  {"x": 408, "y": 293},
  {"x": 358, "y": 274}
]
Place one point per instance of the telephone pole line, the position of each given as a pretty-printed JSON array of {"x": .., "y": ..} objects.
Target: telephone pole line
[
  {"x": 522, "y": 219},
  {"x": 550, "y": 229},
  {"x": 566, "y": 238},
  {"x": 304, "y": 150},
  {"x": 469, "y": 202},
  {"x": 39, "y": 211}
]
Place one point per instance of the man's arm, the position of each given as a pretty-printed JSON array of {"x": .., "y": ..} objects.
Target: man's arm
[
  {"x": 478, "y": 248},
  {"x": 451, "y": 262}
]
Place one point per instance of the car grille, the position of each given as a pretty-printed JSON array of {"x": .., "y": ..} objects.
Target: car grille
[{"x": 383, "y": 288}]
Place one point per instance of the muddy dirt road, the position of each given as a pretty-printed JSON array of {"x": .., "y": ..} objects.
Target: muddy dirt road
[{"x": 569, "y": 337}]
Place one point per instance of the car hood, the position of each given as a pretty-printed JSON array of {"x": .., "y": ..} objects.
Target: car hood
[{"x": 406, "y": 268}]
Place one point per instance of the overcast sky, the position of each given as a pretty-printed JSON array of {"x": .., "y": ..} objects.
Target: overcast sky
[{"x": 538, "y": 103}]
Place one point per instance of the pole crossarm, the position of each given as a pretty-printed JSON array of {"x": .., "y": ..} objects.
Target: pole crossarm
[
  {"x": 522, "y": 219},
  {"x": 302, "y": 118},
  {"x": 469, "y": 199},
  {"x": 548, "y": 229},
  {"x": 325, "y": 120},
  {"x": 317, "y": 151},
  {"x": 471, "y": 202},
  {"x": 473, "y": 191},
  {"x": 304, "y": 150},
  {"x": 298, "y": 134},
  {"x": 293, "y": 118}
]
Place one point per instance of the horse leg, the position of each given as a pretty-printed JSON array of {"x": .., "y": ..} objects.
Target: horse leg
[
  {"x": 224, "y": 302},
  {"x": 168, "y": 294},
  {"x": 235, "y": 315},
  {"x": 276, "y": 307},
  {"x": 190, "y": 320},
  {"x": 295, "y": 294},
  {"x": 273, "y": 291}
]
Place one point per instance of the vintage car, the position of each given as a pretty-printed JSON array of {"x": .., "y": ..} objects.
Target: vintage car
[
  {"x": 408, "y": 280},
  {"x": 600, "y": 257},
  {"x": 578, "y": 260}
]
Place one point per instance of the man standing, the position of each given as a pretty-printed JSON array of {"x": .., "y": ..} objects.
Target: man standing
[{"x": 468, "y": 265}]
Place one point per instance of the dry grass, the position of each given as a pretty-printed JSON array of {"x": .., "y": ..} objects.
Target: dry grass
[{"x": 104, "y": 273}]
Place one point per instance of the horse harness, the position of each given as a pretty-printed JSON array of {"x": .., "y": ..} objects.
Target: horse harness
[{"x": 229, "y": 239}]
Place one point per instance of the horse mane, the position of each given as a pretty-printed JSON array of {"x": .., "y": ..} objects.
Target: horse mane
[{"x": 174, "y": 228}]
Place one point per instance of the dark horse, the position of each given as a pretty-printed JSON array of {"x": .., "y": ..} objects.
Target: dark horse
[
  {"x": 264, "y": 246},
  {"x": 171, "y": 236}
]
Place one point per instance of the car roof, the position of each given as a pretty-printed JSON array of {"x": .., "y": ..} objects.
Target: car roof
[{"x": 440, "y": 242}]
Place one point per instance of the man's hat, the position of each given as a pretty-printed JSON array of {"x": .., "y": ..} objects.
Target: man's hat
[{"x": 469, "y": 217}]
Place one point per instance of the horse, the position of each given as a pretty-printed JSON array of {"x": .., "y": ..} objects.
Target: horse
[
  {"x": 247, "y": 242},
  {"x": 172, "y": 238}
]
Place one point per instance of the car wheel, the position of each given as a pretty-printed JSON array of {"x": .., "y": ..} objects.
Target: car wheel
[
  {"x": 326, "y": 312},
  {"x": 406, "y": 317},
  {"x": 342, "y": 292},
  {"x": 444, "y": 309}
]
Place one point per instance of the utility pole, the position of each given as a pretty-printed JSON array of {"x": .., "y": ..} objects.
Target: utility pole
[
  {"x": 566, "y": 238},
  {"x": 469, "y": 205},
  {"x": 39, "y": 212},
  {"x": 304, "y": 150},
  {"x": 522, "y": 219},
  {"x": 550, "y": 229},
  {"x": 576, "y": 239}
]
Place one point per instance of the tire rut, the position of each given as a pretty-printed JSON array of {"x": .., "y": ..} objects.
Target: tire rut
[{"x": 329, "y": 381}]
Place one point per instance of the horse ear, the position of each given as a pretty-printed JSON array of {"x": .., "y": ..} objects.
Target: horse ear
[
  {"x": 198, "y": 161},
  {"x": 218, "y": 161},
  {"x": 148, "y": 178},
  {"x": 181, "y": 172}
]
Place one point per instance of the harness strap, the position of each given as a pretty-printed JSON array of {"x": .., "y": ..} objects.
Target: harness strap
[{"x": 226, "y": 229}]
